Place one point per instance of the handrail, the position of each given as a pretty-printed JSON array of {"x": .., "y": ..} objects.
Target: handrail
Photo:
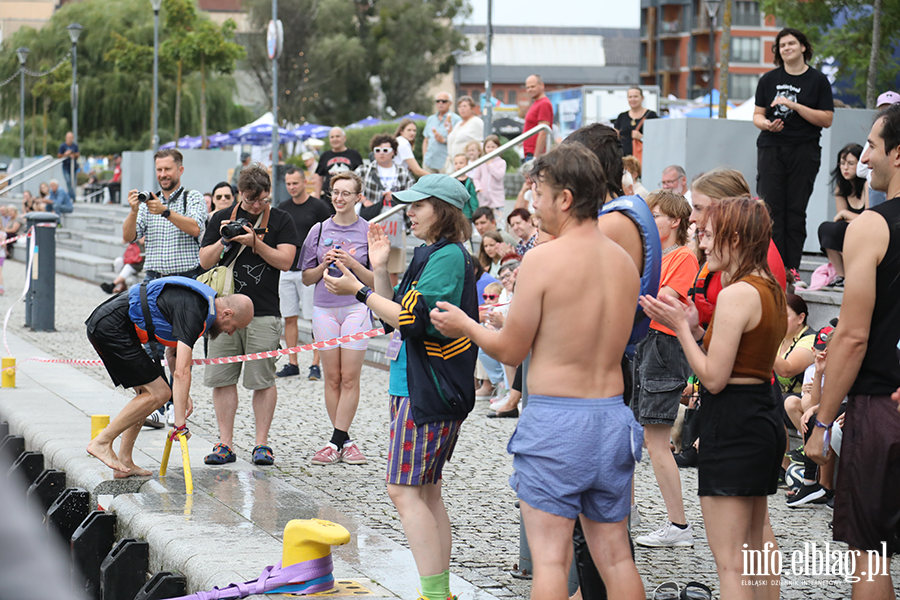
[
  {"x": 42, "y": 159},
  {"x": 513, "y": 142},
  {"x": 32, "y": 176}
]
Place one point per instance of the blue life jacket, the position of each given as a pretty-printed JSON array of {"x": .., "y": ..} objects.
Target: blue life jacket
[
  {"x": 162, "y": 328},
  {"x": 637, "y": 210}
]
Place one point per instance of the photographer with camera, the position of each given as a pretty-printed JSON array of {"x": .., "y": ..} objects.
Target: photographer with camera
[
  {"x": 171, "y": 222},
  {"x": 264, "y": 241}
]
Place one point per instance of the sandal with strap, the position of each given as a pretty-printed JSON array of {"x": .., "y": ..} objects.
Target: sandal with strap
[
  {"x": 696, "y": 591},
  {"x": 221, "y": 454},
  {"x": 263, "y": 455}
]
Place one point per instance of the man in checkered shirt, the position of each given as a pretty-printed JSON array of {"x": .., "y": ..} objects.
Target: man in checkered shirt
[{"x": 171, "y": 222}]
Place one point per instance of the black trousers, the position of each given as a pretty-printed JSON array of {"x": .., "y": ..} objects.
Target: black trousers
[{"x": 785, "y": 176}]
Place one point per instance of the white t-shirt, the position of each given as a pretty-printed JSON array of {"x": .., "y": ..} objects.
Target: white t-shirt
[
  {"x": 404, "y": 152},
  {"x": 388, "y": 177}
]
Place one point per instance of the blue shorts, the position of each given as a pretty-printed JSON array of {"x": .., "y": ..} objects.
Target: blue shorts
[{"x": 576, "y": 456}]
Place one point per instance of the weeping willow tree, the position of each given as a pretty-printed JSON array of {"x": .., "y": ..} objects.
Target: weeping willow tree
[{"x": 115, "y": 95}]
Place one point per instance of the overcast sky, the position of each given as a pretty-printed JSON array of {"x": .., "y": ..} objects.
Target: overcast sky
[{"x": 559, "y": 13}]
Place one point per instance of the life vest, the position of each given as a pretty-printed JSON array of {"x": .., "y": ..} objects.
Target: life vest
[
  {"x": 162, "y": 328},
  {"x": 637, "y": 210}
]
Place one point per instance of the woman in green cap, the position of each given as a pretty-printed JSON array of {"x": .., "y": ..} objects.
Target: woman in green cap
[{"x": 431, "y": 386}]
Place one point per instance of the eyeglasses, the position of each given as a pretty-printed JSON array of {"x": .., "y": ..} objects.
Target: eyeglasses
[
  {"x": 345, "y": 195},
  {"x": 442, "y": 101},
  {"x": 506, "y": 276},
  {"x": 669, "y": 182},
  {"x": 383, "y": 150},
  {"x": 658, "y": 215},
  {"x": 257, "y": 201},
  {"x": 490, "y": 296}
]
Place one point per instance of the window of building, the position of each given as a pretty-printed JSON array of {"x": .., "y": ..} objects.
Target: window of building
[
  {"x": 745, "y": 50},
  {"x": 511, "y": 97},
  {"x": 742, "y": 86},
  {"x": 498, "y": 94},
  {"x": 746, "y": 14}
]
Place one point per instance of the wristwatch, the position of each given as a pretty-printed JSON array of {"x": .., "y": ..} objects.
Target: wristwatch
[
  {"x": 166, "y": 213},
  {"x": 363, "y": 294}
]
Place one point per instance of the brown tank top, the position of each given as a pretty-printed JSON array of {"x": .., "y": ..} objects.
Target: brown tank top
[{"x": 759, "y": 346}]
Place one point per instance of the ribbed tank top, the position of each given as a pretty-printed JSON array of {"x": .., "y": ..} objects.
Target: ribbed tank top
[{"x": 759, "y": 346}]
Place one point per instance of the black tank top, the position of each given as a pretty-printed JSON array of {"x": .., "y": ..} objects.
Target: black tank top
[{"x": 880, "y": 370}]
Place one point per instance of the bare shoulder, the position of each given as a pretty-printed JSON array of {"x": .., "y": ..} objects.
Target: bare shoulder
[
  {"x": 739, "y": 294},
  {"x": 625, "y": 233}
]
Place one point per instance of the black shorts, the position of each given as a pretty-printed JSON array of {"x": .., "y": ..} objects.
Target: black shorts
[
  {"x": 741, "y": 441},
  {"x": 113, "y": 336},
  {"x": 867, "y": 498},
  {"x": 662, "y": 374}
]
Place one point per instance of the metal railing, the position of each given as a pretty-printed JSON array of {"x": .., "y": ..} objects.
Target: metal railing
[
  {"x": 20, "y": 172},
  {"x": 32, "y": 176},
  {"x": 510, "y": 144}
]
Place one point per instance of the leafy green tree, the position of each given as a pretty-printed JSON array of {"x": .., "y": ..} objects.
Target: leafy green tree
[
  {"x": 852, "y": 43},
  {"x": 115, "y": 104},
  {"x": 209, "y": 46},
  {"x": 180, "y": 19}
]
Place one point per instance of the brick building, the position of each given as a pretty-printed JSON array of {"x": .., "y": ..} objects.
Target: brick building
[{"x": 675, "y": 51}]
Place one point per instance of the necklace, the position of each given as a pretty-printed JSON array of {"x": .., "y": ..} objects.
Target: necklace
[{"x": 670, "y": 249}]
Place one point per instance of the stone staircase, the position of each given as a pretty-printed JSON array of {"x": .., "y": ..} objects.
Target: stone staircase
[
  {"x": 824, "y": 304},
  {"x": 88, "y": 241}
]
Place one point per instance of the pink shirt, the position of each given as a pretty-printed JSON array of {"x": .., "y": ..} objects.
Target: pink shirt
[{"x": 488, "y": 180}]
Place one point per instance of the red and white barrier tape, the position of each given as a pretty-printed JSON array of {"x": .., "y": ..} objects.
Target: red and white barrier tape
[
  {"x": 25, "y": 291},
  {"x": 13, "y": 239},
  {"x": 226, "y": 359}
]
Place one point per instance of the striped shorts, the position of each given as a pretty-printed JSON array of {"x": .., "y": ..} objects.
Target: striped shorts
[{"x": 416, "y": 455}]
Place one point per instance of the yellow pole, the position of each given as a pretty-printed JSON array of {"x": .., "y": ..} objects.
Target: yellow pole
[
  {"x": 9, "y": 372},
  {"x": 164, "y": 464},
  {"x": 186, "y": 462},
  {"x": 98, "y": 423}
]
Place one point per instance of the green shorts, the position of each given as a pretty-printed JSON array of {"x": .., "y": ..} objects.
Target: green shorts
[{"x": 262, "y": 335}]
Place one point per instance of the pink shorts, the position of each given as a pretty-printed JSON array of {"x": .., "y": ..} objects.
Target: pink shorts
[{"x": 332, "y": 322}]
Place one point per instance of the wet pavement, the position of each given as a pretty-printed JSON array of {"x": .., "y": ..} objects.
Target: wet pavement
[{"x": 236, "y": 516}]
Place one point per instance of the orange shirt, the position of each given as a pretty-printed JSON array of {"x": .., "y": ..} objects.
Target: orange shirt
[{"x": 678, "y": 270}]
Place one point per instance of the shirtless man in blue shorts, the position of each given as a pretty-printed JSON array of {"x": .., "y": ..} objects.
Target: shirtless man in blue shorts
[{"x": 576, "y": 441}]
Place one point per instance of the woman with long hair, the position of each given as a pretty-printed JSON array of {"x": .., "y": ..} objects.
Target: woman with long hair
[
  {"x": 740, "y": 425},
  {"x": 850, "y": 199},
  {"x": 406, "y": 139},
  {"x": 343, "y": 237},
  {"x": 431, "y": 386},
  {"x": 489, "y": 254}
]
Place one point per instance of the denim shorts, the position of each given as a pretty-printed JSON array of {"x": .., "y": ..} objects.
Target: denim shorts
[
  {"x": 661, "y": 373},
  {"x": 576, "y": 456}
]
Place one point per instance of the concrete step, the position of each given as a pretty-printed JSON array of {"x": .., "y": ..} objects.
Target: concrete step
[
  {"x": 98, "y": 244},
  {"x": 823, "y": 306},
  {"x": 81, "y": 265}
]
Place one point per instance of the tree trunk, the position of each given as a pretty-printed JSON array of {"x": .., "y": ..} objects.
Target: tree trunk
[
  {"x": 33, "y": 122},
  {"x": 724, "y": 59},
  {"x": 178, "y": 105},
  {"x": 871, "y": 92},
  {"x": 203, "y": 102},
  {"x": 46, "y": 110}
]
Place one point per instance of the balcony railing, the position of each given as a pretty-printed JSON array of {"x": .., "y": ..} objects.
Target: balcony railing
[
  {"x": 669, "y": 63},
  {"x": 672, "y": 26}
]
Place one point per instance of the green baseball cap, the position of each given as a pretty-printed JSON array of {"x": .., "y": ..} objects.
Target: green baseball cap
[{"x": 442, "y": 187}]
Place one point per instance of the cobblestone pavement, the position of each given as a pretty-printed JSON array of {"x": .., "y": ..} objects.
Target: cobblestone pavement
[{"x": 479, "y": 500}]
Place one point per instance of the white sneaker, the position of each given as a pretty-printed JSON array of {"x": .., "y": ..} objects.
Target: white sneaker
[
  {"x": 667, "y": 536},
  {"x": 499, "y": 401},
  {"x": 170, "y": 415}
]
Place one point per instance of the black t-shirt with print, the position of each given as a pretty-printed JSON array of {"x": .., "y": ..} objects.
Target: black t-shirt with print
[
  {"x": 810, "y": 89},
  {"x": 253, "y": 276},
  {"x": 332, "y": 163},
  {"x": 305, "y": 216}
]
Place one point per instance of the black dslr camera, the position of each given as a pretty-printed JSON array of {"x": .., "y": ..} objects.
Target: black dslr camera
[{"x": 235, "y": 228}]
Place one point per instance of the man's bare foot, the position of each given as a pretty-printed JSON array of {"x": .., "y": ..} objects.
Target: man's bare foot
[
  {"x": 107, "y": 456},
  {"x": 134, "y": 471}
]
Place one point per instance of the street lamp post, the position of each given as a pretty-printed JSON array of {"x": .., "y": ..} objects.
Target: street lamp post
[
  {"x": 74, "y": 31},
  {"x": 22, "y": 53},
  {"x": 712, "y": 7},
  {"x": 155, "y": 139}
]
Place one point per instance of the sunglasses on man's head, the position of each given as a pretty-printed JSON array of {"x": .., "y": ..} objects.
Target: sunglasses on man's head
[{"x": 490, "y": 296}]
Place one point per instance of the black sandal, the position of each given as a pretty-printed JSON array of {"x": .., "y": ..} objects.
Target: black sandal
[{"x": 696, "y": 591}]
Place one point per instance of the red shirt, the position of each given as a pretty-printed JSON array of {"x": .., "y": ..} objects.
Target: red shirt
[
  {"x": 541, "y": 110},
  {"x": 117, "y": 174},
  {"x": 706, "y": 302}
]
